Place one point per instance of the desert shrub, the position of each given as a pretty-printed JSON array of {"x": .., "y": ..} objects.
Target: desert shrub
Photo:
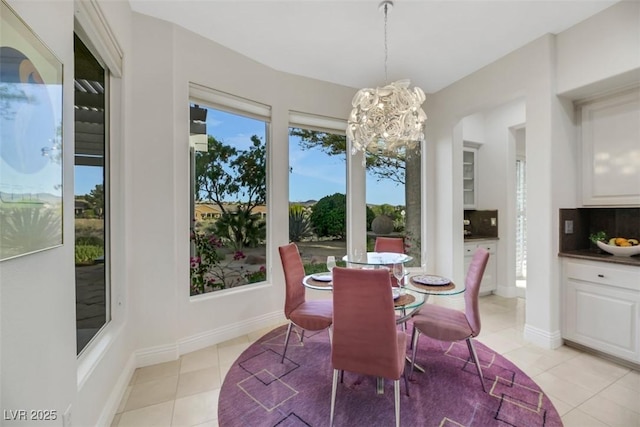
[{"x": 300, "y": 227}]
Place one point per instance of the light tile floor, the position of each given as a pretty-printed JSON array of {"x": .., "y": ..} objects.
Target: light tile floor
[{"x": 586, "y": 390}]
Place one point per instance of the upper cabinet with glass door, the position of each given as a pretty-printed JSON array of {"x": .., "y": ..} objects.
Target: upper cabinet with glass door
[{"x": 470, "y": 174}]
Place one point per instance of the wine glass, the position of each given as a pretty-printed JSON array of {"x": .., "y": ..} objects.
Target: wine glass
[
  {"x": 398, "y": 273},
  {"x": 331, "y": 262}
]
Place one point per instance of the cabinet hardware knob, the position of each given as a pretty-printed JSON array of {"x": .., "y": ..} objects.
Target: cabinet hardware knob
[{"x": 600, "y": 275}]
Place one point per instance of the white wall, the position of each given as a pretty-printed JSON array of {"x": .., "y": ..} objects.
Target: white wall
[{"x": 600, "y": 53}]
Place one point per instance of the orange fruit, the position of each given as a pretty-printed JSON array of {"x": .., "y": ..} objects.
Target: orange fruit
[{"x": 620, "y": 241}]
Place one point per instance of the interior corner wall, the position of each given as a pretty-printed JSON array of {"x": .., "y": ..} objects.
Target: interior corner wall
[
  {"x": 524, "y": 74},
  {"x": 167, "y": 58}
]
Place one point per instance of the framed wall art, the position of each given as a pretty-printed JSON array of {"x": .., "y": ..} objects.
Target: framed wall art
[{"x": 30, "y": 140}]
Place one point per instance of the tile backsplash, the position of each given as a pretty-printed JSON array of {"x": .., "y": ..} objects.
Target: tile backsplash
[
  {"x": 482, "y": 222},
  {"x": 616, "y": 222}
]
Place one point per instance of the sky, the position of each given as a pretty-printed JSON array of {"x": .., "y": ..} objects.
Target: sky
[{"x": 313, "y": 175}]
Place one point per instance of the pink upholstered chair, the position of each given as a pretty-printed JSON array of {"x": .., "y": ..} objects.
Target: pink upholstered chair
[
  {"x": 309, "y": 315},
  {"x": 389, "y": 244},
  {"x": 446, "y": 324},
  {"x": 365, "y": 337}
]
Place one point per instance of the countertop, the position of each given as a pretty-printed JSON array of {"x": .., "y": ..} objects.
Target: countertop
[
  {"x": 601, "y": 256},
  {"x": 478, "y": 237}
]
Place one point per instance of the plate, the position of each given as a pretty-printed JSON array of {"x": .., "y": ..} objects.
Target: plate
[
  {"x": 428, "y": 279},
  {"x": 395, "y": 292},
  {"x": 326, "y": 277}
]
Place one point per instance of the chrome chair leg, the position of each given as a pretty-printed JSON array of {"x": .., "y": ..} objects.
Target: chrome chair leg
[
  {"x": 286, "y": 341},
  {"x": 396, "y": 392},
  {"x": 414, "y": 342},
  {"x": 333, "y": 395},
  {"x": 474, "y": 355},
  {"x": 406, "y": 381},
  {"x": 413, "y": 332}
]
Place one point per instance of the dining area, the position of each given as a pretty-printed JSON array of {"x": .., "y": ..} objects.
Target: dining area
[{"x": 376, "y": 314}]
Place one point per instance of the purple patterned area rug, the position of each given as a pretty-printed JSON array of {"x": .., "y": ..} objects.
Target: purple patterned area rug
[{"x": 260, "y": 391}]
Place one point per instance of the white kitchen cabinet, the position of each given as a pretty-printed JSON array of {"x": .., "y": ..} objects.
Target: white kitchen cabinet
[
  {"x": 602, "y": 307},
  {"x": 470, "y": 174},
  {"x": 611, "y": 150},
  {"x": 489, "y": 280}
]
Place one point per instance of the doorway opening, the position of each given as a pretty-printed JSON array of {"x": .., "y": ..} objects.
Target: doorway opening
[{"x": 521, "y": 213}]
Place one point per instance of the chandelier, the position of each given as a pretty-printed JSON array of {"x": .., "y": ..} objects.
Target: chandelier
[{"x": 386, "y": 119}]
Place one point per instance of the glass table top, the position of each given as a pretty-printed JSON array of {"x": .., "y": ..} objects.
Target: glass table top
[{"x": 378, "y": 258}]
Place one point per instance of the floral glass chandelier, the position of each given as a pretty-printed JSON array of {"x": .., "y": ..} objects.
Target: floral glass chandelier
[{"x": 386, "y": 119}]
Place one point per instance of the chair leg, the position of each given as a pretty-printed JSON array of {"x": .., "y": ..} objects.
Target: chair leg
[
  {"x": 406, "y": 381},
  {"x": 474, "y": 355},
  {"x": 333, "y": 395},
  {"x": 286, "y": 341},
  {"x": 414, "y": 343},
  {"x": 330, "y": 329},
  {"x": 396, "y": 392},
  {"x": 413, "y": 333},
  {"x": 341, "y": 376},
  {"x": 301, "y": 335}
]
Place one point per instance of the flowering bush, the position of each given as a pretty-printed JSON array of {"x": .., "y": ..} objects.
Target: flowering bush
[
  {"x": 209, "y": 267},
  {"x": 257, "y": 276}
]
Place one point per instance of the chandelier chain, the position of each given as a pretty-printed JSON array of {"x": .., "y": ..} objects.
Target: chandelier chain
[{"x": 386, "y": 50}]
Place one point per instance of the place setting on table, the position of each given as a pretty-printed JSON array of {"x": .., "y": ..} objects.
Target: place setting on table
[{"x": 404, "y": 298}]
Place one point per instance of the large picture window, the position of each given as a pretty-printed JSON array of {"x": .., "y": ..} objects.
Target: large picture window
[{"x": 229, "y": 189}]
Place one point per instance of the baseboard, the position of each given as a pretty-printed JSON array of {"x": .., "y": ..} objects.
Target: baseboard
[
  {"x": 542, "y": 338},
  {"x": 154, "y": 355},
  {"x": 218, "y": 335},
  {"x": 110, "y": 407}
]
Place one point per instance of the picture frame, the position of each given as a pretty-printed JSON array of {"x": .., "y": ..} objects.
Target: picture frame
[{"x": 31, "y": 167}]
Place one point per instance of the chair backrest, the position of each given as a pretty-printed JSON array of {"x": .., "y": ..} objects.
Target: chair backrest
[
  {"x": 293, "y": 275},
  {"x": 389, "y": 244},
  {"x": 472, "y": 284},
  {"x": 364, "y": 326}
]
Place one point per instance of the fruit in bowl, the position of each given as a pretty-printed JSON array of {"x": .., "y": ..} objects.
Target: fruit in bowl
[{"x": 620, "y": 246}]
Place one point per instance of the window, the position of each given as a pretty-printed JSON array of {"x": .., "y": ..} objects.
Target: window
[
  {"x": 393, "y": 198},
  {"x": 90, "y": 189},
  {"x": 317, "y": 191},
  {"x": 228, "y": 146}
]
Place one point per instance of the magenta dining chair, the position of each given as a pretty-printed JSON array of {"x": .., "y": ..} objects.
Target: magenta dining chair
[
  {"x": 446, "y": 324},
  {"x": 389, "y": 244},
  {"x": 365, "y": 337},
  {"x": 309, "y": 315}
]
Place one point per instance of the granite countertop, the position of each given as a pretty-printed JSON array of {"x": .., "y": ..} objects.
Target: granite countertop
[
  {"x": 479, "y": 237},
  {"x": 601, "y": 256}
]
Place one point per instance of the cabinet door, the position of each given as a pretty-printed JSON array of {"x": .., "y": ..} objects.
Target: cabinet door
[
  {"x": 489, "y": 281},
  {"x": 603, "y": 318},
  {"x": 611, "y": 151},
  {"x": 469, "y": 177}
]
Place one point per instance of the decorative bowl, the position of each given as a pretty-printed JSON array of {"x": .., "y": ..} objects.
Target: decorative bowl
[{"x": 619, "y": 250}]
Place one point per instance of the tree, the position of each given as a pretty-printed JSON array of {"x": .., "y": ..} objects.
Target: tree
[
  {"x": 403, "y": 168},
  {"x": 328, "y": 216},
  {"x": 228, "y": 177},
  {"x": 95, "y": 200},
  {"x": 382, "y": 165}
]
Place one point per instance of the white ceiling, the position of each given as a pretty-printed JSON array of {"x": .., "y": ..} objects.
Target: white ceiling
[{"x": 432, "y": 42}]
